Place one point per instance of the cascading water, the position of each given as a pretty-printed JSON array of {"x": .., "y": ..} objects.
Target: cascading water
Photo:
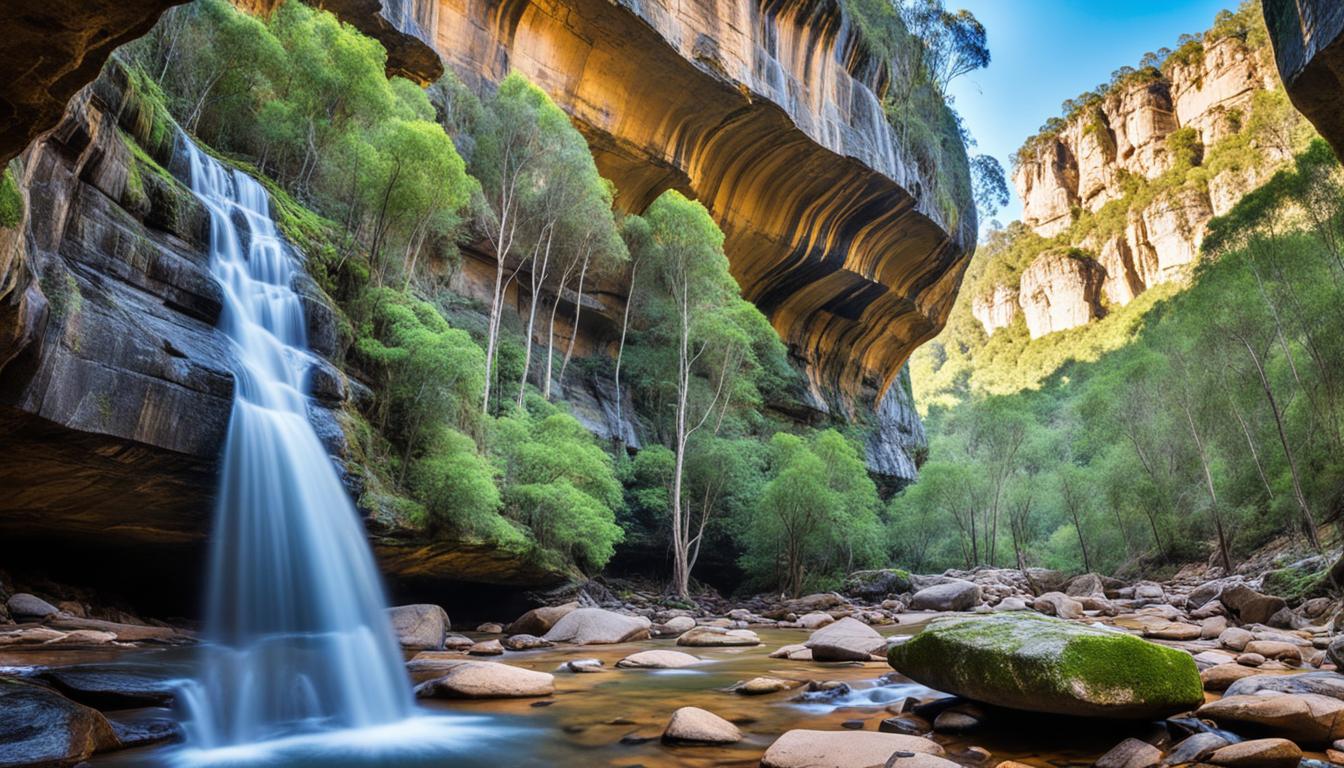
[{"x": 299, "y": 635}]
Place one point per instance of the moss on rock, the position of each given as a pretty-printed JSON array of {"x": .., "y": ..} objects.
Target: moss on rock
[
  {"x": 11, "y": 201},
  {"x": 1040, "y": 664}
]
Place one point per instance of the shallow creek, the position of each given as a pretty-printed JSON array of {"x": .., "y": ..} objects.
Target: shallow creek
[{"x": 614, "y": 718}]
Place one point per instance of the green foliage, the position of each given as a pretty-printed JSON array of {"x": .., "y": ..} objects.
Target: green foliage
[
  {"x": 11, "y": 200},
  {"x": 558, "y": 482},
  {"x": 816, "y": 517},
  {"x": 1192, "y": 416}
]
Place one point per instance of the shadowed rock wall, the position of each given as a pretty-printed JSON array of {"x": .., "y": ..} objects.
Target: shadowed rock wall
[{"x": 1308, "y": 38}]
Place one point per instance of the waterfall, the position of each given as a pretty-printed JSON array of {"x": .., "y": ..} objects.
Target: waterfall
[{"x": 296, "y": 624}]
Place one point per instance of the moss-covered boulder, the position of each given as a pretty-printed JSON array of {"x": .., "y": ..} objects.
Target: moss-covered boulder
[{"x": 1040, "y": 664}]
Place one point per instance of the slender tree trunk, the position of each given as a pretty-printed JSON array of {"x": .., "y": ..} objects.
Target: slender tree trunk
[
  {"x": 620, "y": 350},
  {"x": 537, "y": 279}
]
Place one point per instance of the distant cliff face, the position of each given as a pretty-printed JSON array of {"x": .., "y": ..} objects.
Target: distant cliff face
[
  {"x": 1078, "y": 185},
  {"x": 1308, "y": 39}
]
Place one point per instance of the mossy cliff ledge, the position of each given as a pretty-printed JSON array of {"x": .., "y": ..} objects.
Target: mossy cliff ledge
[{"x": 1040, "y": 664}]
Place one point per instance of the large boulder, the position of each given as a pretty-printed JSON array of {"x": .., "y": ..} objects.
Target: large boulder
[
  {"x": 539, "y": 621},
  {"x": 26, "y": 607},
  {"x": 487, "y": 680},
  {"x": 1307, "y": 718},
  {"x": 845, "y": 640},
  {"x": 877, "y": 584},
  {"x": 1248, "y": 606},
  {"x": 692, "y": 725},
  {"x": 420, "y": 627},
  {"x": 955, "y": 595},
  {"x": 1033, "y": 663},
  {"x": 594, "y": 626},
  {"x": 847, "y": 749},
  {"x": 39, "y": 727}
]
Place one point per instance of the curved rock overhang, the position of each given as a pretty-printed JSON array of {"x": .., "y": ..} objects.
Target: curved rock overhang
[
  {"x": 1308, "y": 39},
  {"x": 767, "y": 113}
]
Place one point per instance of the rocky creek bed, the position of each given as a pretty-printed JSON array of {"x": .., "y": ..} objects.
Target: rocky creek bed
[{"x": 827, "y": 680}]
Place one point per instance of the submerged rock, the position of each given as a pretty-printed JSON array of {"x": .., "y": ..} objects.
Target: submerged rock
[
  {"x": 848, "y": 749},
  {"x": 1037, "y": 664},
  {"x": 39, "y": 727},
  {"x": 594, "y": 626},
  {"x": 657, "y": 660},
  {"x": 692, "y": 725},
  {"x": 487, "y": 680},
  {"x": 715, "y": 637}
]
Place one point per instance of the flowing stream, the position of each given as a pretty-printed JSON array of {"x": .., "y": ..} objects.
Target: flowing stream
[{"x": 296, "y": 619}]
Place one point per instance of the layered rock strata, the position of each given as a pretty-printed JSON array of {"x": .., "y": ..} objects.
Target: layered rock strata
[
  {"x": 1090, "y": 161},
  {"x": 115, "y": 392}
]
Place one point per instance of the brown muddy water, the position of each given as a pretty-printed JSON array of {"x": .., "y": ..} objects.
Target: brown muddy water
[{"x": 613, "y": 719}]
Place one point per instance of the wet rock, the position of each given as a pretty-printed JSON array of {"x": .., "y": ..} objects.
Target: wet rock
[
  {"x": 83, "y": 637},
  {"x": 658, "y": 660},
  {"x": 126, "y": 633},
  {"x": 1260, "y": 753},
  {"x": 490, "y": 628},
  {"x": 457, "y": 643},
  {"x": 878, "y": 584},
  {"x": 820, "y": 601},
  {"x": 839, "y": 749},
  {"x": 539, "y": 621},
  {"x": 1212, "y": 627},
  {"x": 761, "y": 686},
  {"x": 1033, "y": 663},
  {"x": 487, "y": 680},
  {"x": 678, "y": 625},
  {"x": 1305, "y": 718},
  {"x": 594, "y": 626},
  {"x": 26, "y": 607},
  {"x": 583, "y": 666},
  {"x": 525, "y": 642},
  {"x": 852, "y": 725},
  {"x": 1250, "y": 659},
  {"x": 955, "y": 595},
  {"x": 420, "y": 627},
  {"x": 1171, "y": 630},
  {"x": 1058, "y": 604},
  {"x": 815, "y": 620},
  {"x": 1248, "y": 606},
  {"x": 846, "y": 640},
  {"x": 713, "y": 637},
  {"x": 486, "y": 648},
  {"x": 1335, "y": 651},
  {"x": 692, "y": 725},
  {"x": 111, "y": 686},
  {"x": 1012, "y": 604},
  {"x": 911, "y": 724},
  {"x": 1130, "y": 753},
  {"x": 1235, "y": 638},
  {"x": 1194, "y": 749},
  {"x": 1219, "y": 677},
  {"x": 1321, "y": 683},
  {"x": 796, "y": 652},
  {"x": 145, "y": 731},
  {"x": 1270, "y": 649},
  {"x": 39, "y": 727},
  {"x": 961, "y": 718}
]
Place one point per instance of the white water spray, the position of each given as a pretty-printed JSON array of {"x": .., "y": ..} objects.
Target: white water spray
[{"x": 296, "y": 619}]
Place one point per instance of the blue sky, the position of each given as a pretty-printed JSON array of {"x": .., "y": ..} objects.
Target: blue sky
[{"x": 1046, "y": 51}]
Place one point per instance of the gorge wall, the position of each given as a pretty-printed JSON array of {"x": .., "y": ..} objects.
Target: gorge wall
[
  {"x": 1078, "y": 185},
  {"x": 1308, "y": 39},
  {"x": 114, "y": 384}
]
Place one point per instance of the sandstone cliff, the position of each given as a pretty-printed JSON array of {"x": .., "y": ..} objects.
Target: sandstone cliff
[
  {"x": 766, "y": 112},
  {"x": 115, "y": 401},
  {"x": 1130, "y": 177},
  {"x": 1308, "y": 38}
]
